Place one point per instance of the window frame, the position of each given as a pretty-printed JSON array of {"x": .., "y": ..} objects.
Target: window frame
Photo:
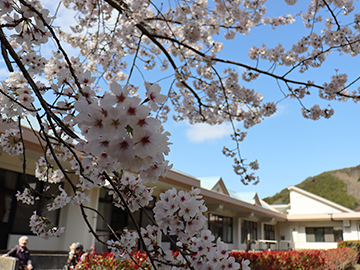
[
  {"x": 248, "y": 226},
  {"x": 269, "y": 232},
  {"x": 221, "y": 226},
  {"x": 321, "y": 234},
  {"x": 20, "y": 211},
  {"x": 119, "y": 219}
]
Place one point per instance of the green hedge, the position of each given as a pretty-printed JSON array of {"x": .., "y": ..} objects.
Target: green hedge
[{"x": 355, "y": 244}]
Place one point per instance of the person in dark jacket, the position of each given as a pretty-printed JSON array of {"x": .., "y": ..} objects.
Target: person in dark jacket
[
  {"x": 21, "y": 252},
  {"x": 76, "y": 254}
]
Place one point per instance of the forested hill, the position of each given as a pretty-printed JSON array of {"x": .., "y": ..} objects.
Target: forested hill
[{"x": 340, "y": 186}]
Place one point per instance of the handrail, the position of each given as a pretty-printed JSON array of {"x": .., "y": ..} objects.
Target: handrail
[{"x": 268, "y": 242}]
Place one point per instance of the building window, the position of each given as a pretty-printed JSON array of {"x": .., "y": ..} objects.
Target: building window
[
  {"x": 324, "y": 234},
  {"x": 14, "y": 215},
  {"x": 248, "y": 230},
  {"x": 24, "y": 211},
  {"x": 119, "y": 219},
  {"x": 269, "y": 232},
  {"x": 222, "y": 227}
]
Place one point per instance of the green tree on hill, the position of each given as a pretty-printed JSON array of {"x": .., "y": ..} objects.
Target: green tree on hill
[{"x": 324, "y": 185}]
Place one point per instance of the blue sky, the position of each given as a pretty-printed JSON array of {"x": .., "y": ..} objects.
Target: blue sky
[{"x": 288, "y": 147}]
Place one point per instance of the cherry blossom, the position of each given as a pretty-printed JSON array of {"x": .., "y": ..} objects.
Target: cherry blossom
[
  {"x": 127, "y": 242},
  {"x": 59, "y": 201},
  {"x": 46, "y": 172},
  {"x": 11, "y": 142},
  {"x": 245, "y": 264},
  {"x": 110, "y": 134},
  {"x": 135, "y": 194},
  {"x": 26, "y": 197},
  {"x": 43, "y": 227},
  {"x": 79, "y": 198}
]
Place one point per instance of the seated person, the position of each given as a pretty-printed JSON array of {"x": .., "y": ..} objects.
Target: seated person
[
  {"x": 76, "y": 254},
  {"x": 21, "y": 252}
]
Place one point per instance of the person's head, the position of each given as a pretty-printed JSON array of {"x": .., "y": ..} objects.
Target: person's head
[
  {"x": 78, "y": 248},
  {"x": 23, "y": 240}
]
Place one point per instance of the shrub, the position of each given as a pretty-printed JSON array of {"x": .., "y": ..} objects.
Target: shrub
[
  {"x": 106, "y": 260},
  {"x": 96, "y": 261},
  {"x": 140, "y": 262},
  {"x": 272, "y": 260},
  {"x": 354, "y": 244},
  {"x": 341, "y": 258}
]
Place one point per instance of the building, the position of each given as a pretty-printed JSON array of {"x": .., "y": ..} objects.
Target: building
[{"x": 241, "y": 219}]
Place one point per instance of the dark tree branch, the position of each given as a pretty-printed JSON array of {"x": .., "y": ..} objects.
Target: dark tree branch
[
  {"x": 33, "y": 85},
  {"x": 115, "y": 188}
]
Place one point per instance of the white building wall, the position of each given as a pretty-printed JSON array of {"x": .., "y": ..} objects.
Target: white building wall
[
  {"x": 351, "y": 230},
  {"x": 299, "y": 235},
  {"x": 284, "y": 235},
  {"x": 35, "y": 243},
  {"x": 236, "y": 233},
  {"x": 76, "y": 228},
  {"x": 302, "y": 204}
]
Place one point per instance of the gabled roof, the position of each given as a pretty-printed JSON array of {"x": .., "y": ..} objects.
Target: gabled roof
[
  {"x": 214, "y": 183},
  {"x": 249, "y": 197},
  {"x": 320, "y": 199},
  {"x": 268, "y": 206},
  {"x": 281, "y": 208}
]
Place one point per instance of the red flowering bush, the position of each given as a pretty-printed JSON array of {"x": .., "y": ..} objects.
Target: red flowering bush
[
  {"x": 140, "y": 261},
  {"x": 96, "y": 261},
  {"x": 106, "y": 260},
  {"x": 273, "y": 260},
  {"x": 354, "y": 244},
  {"x": 341, "y": 258}
]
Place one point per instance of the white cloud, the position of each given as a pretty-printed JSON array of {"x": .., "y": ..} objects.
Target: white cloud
[
  {"x": 202, "y": 132},
  {"x": 280, "y": 110}
]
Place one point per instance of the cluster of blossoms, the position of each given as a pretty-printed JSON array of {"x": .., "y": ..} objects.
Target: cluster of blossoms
[
  {"x": 28, "y": 25},
  {"x": 125, "y": 245},
  {"x": 26, "y": 197},
  {"x": 11, "y": 142},
  {"x": 34, "y": 62},
  {"x": 134, "y": 192},
  {"x": 316, "y": 112},
  {"x": 336, "y": 85},
  {"x": 79, "y": 198},
  {"x": 16, "y": 87},
  {"x": 278, "y": 21},
  {"x": 181, "y": 214},
  {"x": 59, "y": 201},
  {"x": 46, "y": 172},
  {"x": 43, "y": 227},
  {"x": 120, "y": 134}
]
